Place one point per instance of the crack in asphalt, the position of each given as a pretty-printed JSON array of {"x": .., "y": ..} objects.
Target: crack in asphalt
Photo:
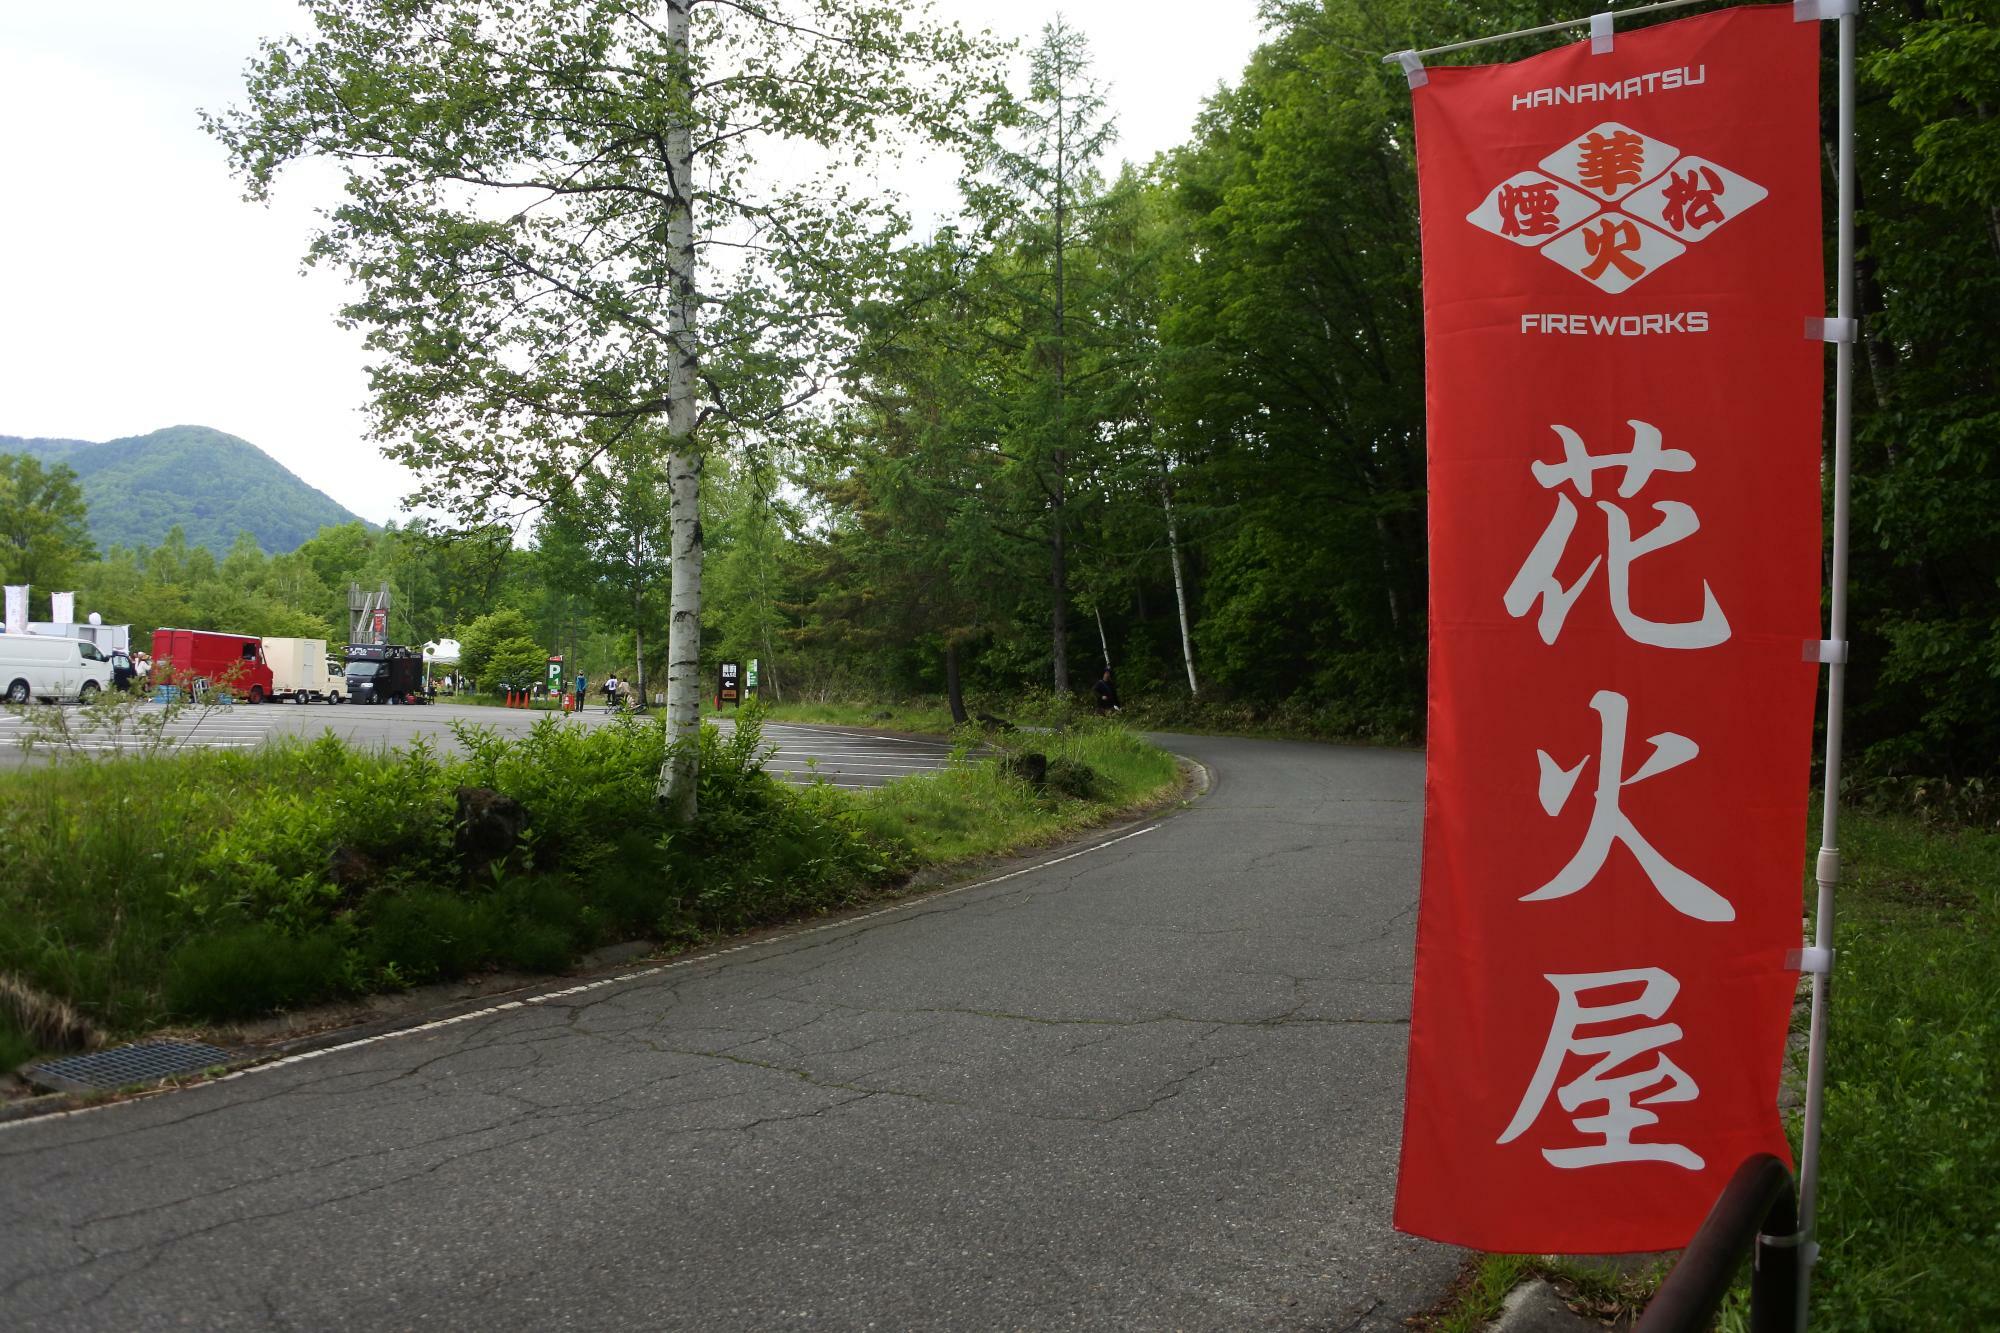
[{"x": 718, "y": 1054}]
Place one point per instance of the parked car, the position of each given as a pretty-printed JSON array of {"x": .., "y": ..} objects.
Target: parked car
[
  {"x": 212, "y": 660},
  {"x": 37, "y": 666}
]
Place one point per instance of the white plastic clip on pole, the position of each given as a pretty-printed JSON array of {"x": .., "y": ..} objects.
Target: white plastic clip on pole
[
  {"x": 1827, "y": 652},
  {"x": 1815, "y": 961},
  {"x": 1413, "y": 68},
  {"x": 1819, "y": 11},
  {"x": 1831, "y": 330},
  {"x": 1600, "y": 34}
]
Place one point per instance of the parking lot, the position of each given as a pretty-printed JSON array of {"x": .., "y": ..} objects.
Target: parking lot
[{"x": 845, "y": 757}]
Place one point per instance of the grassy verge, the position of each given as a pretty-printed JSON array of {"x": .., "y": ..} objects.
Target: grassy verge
[
  {"x": 976, "y": 809},
  {"x": 1910, "y": 1174},
  {"x": 1284, "y": 721},
  {"x": 216, "y": 885}
]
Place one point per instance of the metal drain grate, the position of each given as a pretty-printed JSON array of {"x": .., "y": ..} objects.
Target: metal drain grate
[{"x": 122, "y": 1066}]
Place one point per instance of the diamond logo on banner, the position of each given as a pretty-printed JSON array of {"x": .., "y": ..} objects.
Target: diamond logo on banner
[
  {"x": 1612, "y": 251},
  {"x": 1528, "y": 208},
  {"x": 1693, "y": 198},
  {"x": 1610, "y": 161},
  {"x": 1613, "y": 205}
]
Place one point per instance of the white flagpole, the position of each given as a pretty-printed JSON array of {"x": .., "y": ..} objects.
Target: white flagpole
[{"x": 1827, "y": 869}]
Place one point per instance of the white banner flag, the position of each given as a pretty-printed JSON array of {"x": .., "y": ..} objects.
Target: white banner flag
[
  {"x": 17, "y": 608},
  {"x": 62, "y": 608}
]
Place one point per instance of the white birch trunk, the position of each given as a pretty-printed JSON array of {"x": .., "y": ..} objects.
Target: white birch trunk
[
  {"x": 1180, "y": 585},
  {"x": 680, "y": 772}
]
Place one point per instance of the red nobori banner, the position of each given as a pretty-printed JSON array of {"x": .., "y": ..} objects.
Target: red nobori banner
[{"x": 1621, "y": 251}]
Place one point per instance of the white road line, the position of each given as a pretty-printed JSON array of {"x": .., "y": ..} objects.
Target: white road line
[
  {"x": 603, "y": 982},
  {"x": 835, "y": 760},
  {"x": 871, "y": 777}
]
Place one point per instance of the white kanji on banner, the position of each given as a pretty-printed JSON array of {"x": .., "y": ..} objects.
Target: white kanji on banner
[
  {"x": 1610, "y": 824},
  {"x": 1610, "y": 1051},
  {"x": 1536, "y": 582}
]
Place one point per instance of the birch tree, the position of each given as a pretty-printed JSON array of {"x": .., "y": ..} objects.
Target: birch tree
[{"x": 569, "y": 234}]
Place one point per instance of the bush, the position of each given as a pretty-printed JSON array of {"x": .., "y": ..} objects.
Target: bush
[
  {"x": 253, "y": 970},
  {"x": 429, "y": 935},
  {"x": 1073, "y": 777}
]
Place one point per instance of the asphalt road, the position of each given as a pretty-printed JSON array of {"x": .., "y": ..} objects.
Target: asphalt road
[
  {"x": 1153, "y": 1085},
  {"x": 846, "y": 757}
]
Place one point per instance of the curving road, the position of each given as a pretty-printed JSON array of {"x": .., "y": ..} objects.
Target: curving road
[{"x": 1153, "y": 1085}]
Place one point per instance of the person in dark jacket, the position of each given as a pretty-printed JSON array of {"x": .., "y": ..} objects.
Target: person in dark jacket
[{"x": 1107, "y": 694}]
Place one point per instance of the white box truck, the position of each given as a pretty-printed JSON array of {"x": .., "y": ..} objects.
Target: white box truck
[{"x": 299, "y": 671}]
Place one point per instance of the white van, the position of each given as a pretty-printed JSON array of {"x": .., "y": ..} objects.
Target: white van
[{"x": 36, "y": 666}]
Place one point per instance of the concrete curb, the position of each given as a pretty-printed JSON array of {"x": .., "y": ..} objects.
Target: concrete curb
[{"x": 1534, "y": 1307}]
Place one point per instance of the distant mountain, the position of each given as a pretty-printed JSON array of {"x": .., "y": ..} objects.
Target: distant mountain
[{"x": 213, "y": 485}]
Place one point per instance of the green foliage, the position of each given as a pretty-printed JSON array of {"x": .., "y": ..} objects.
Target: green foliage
[
  {"x": 43, "y": 535},
  {"x": 212, "y": 486},
  {"x": 15, "y": 1047},
  {"x": 1912, "y": 1161},
  {"x": 975, "y": 809},
  {"x": 1924, "y": 692},
  {"x": 1073, "y": 778},
  {"x": 515, "y": 664},
  {"x": 253, "y": 970},
  {"x": 479, "y": 641}
]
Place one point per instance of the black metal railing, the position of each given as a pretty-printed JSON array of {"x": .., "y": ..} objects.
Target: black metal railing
[{"x": 1758, "y": 1214}]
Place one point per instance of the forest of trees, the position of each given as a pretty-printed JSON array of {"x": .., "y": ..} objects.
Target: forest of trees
[{"x": 1170, "y": 418}]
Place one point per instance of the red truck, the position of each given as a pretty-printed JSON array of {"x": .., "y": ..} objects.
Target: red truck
[{"x": 234, "y": 662}]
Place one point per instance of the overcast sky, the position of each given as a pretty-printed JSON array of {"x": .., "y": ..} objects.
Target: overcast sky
[{"x": 138, "y": 291}]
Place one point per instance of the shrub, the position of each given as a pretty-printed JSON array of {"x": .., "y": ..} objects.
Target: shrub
[
  {"x": 429, "y": 935},
  {"x": 253, "y": 970},
  {"x": 1073, "y": 777}
]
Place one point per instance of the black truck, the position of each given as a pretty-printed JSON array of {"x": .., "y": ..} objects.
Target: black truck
[{"x": 379, "y": 673}]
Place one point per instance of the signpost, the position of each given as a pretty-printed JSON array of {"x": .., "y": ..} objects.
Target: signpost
[
  {"x": 1624, "y": 314},
  {"x": 750, "y": 678},
  {"x": 729, "y": 684},
  {"x": 555, "y": 674}
]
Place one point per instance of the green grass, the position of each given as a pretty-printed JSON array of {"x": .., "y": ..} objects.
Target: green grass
[
  {"x": 973, "y": 809},
  {"x": 1910, "y": 1164},
  {"x": 1592, "y": 1287}
]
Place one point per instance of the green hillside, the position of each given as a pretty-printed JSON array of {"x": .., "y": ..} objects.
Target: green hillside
[{"x": 212, "y": 484}]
